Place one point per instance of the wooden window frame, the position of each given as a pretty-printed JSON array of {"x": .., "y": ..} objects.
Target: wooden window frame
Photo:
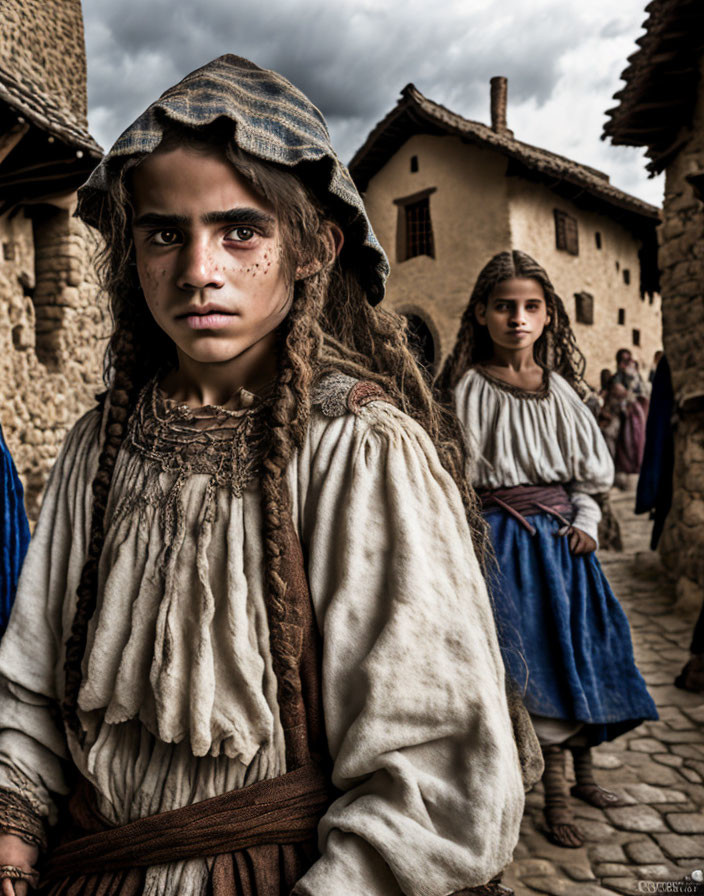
[
  {"x": 584, "y": 308},
  {"x": 404, "y": 249},
  {"x": 566, "y": 232}
]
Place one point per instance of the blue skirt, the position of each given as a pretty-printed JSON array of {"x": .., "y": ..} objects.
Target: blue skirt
[{"x": 565, "y": 640}]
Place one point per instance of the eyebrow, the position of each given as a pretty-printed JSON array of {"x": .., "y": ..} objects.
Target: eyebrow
[
  {"x": 512, "y": 299},
  {"x": 245, "y": 216}
]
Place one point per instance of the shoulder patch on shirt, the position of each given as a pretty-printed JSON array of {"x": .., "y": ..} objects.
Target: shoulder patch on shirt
[{"x": 337, "y": 394}]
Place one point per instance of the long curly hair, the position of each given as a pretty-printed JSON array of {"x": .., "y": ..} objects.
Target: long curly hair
[
  {"x": 556, "y": 348},
  {"x": 330, "y": 326}
]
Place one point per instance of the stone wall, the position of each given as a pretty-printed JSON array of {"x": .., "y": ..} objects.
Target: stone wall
[
  {"x": 682, "y": 279},
  {"x": 476, "y": 211},
  {"x": 52, "y": 336}
]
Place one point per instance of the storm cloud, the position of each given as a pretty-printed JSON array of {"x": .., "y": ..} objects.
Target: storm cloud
[{"x": 563, "y": 62}]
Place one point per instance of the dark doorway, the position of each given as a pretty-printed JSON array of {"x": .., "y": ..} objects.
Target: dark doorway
[{"x": 421, "y": 340}]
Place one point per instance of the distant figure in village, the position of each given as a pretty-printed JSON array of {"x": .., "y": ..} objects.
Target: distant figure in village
[
  {"x": 656, "y": 360},
  {"x": 14, "y": 531},
  {"x": 252, "y": 638},
  {"x": 538, "y": 461},
  {"x": 654, "y": 496},
  {"x": 654, "y": 490},
  {"x": 623, "y": 415}
]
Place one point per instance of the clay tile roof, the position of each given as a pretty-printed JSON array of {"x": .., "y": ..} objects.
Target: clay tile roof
[
  {"x": 43, "y": 68},
  {"x": 416, "y": 114},
  {"x": 661, "y": 81}
]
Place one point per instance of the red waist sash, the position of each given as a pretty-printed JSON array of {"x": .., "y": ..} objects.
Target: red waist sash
[{"x": 523, "y": 500}]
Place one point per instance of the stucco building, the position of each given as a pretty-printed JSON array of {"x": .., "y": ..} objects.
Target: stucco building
[
  {"x": 661, "y": 107},
  {"x": 51, "y": 325},
  {"x": 444, "y": 194}
]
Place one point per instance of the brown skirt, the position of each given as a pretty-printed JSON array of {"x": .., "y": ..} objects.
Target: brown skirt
[
  {"x": 268, "y": 870},
  {"x": 258, "y": 840}
]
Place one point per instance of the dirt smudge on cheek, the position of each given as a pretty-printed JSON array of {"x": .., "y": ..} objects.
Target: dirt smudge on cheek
[
  {"x": 266, "y": 263},
  {"x": 150, "y": 279}
]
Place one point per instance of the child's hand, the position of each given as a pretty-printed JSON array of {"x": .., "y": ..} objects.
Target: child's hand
[
  {"x": 19, "y": 856},
  {"x": 580, "y": 542}
]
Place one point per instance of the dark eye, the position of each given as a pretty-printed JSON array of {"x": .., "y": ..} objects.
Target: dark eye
[
  {"x": 166, "y": 237},
  {"x": 240, "y": 234}
]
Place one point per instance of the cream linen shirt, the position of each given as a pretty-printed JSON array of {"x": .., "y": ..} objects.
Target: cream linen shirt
[
  {"x": 413, "y": 683},
  {"x": 530, "y": 440}
]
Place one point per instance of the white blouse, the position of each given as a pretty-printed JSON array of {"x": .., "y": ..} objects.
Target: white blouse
[
  {"x": 548, "y": 437},
  {"x": 179, "y": 694}
]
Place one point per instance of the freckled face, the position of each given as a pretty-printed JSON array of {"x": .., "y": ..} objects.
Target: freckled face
[
  {"x": 208, "y": 254},
  {"x": 516, "y": 313}
]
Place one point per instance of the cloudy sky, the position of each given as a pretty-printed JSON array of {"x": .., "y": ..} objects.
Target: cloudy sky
[{"x": 563, "y": 60}]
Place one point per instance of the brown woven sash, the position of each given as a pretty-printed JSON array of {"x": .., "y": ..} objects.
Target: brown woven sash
[
  {"x": 523, "y": 500},
  {"x": 282, "y": 810}
]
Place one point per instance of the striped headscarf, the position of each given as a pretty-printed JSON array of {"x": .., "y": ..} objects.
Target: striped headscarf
[{"x": 273, "y": 121}]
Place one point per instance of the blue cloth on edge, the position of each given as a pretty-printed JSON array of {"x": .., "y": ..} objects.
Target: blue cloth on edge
[
  {"x": 565, "y": 640},
  {"x": 14, "y": 535},
  {"x": 654, "y": 493}
]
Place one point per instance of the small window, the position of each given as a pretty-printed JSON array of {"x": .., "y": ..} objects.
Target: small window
[
  {"x": 597, "y": 239},
  {"x": 584, "y": 307},
  {"x": 636, "y": 337},
  {"x": 626, "y": 276},
  {"x": 622, "y": 315},
  {"x": 414, "y": 164},
  {"x": 566, "y": 236},
  {"x": 618, "y": 265},
  {"x": 419, "y": 230},
  {"x": 415, "y": 229}
]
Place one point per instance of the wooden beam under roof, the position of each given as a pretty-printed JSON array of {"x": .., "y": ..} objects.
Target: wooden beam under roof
[{"x": 10, "y": 139}]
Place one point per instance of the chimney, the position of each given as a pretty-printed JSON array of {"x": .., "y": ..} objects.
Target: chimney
[{"x": 499, "y": 94}]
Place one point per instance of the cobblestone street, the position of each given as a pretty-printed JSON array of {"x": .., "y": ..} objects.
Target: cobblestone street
[{"x": 652, "y": 844}]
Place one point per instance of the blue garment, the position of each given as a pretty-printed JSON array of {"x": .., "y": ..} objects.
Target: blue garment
[
  {"x": 654, "y": 493},
  {"x": 14, "y": 534},
  {"x": 565, "y": 640}
]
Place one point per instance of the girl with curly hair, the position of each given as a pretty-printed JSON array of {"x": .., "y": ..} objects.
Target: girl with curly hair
[
  {"x": 252, "y": 640},
  {"x": 537, "y": 460}
]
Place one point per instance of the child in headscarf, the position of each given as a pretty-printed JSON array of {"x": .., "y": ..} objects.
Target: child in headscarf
[
  {"x": 252, "y": 639},
  {"x": 539, "y": 460}
]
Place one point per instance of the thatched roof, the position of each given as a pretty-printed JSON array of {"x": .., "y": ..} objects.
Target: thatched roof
[
  {"x": 45, "y": 145},
  {"x": 662, "y": 80},
  {"x": 416, "y": 114}
]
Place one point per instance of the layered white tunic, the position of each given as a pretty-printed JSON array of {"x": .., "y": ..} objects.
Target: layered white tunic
[
  {"x": 179, "y": 695},
  {"x": 517, "y": 437}
]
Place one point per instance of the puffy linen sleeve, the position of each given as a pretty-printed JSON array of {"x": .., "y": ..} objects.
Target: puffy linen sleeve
[
  {"x": 593, "y": 468},
  {"x": 413, "y": 683},
  {"x": 32, "y": 740}
]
